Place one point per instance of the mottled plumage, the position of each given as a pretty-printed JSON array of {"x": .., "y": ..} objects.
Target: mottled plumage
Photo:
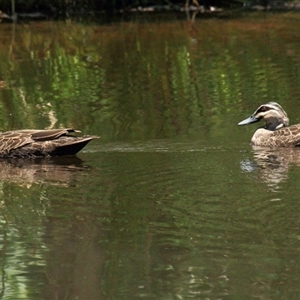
[
  {"x": 276, "y": 132},
  {"x": 40, "y": 143}
]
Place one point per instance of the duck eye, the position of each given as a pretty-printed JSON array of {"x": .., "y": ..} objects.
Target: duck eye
[{"x": 263, "y": 108}]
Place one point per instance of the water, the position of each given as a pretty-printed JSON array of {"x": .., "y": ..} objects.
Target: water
[{"x": 172, "y": 202}]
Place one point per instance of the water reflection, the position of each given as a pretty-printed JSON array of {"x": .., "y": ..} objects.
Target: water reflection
[
  {"x": 36, "y": 171},
  {"x": 272, "y": 164},
  {"x": 165, "y": 212},
  {"x": 75, "y": 255},
  {"x": 29, "y": 193}
]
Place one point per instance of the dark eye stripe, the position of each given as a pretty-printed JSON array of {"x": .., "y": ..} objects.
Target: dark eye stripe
[{"x": 264, "y": 108}]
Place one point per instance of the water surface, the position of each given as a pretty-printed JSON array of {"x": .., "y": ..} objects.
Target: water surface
[{"x": 172, "y": 202}]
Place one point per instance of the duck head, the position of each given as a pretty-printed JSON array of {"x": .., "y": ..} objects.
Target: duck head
[{"x": 271, "y": 113}]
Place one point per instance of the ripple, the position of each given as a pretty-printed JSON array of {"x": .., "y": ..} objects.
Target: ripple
[{"x": 157, "y": 146}]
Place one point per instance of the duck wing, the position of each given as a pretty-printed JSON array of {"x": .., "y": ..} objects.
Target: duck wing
[
  {"x": 46, "y": 134},
  {"x": 33, "y": 143},
  {"x": 11, "y": 140},
  {"x": 64, "y": 145},
  {"x": 286, "y": 137}
]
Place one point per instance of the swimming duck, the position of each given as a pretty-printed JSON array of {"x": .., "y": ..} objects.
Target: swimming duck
[
  {"x": 276, "y": 132},
  {"x": 41, "y": 143}
]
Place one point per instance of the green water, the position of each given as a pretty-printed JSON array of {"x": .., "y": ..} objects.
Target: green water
[{"x": 172, "y": 202}]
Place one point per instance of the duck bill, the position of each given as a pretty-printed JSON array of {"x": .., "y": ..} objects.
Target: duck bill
[{"x": 249, "y": 120}]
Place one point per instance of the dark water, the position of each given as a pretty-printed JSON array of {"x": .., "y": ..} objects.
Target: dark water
[{"x": 172, "y": 202}]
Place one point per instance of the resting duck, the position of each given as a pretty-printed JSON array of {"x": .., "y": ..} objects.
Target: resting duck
[
  {"x": 276, "y": 132},
  {"x": 41, "y": 143}
]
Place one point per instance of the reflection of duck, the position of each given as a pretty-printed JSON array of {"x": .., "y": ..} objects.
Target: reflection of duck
[
  {"x": 52, "y": 171},
  {"x": 272, "y": 164},
  {"x": 276, "y": 132},
  {"x": 40, "y": 143}
]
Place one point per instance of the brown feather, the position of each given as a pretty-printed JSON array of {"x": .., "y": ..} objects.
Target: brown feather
[
  {"x": 34, "y": 143},
  {"x": 283, "y": 137}
]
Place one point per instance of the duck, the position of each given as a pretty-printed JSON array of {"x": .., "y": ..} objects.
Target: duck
[
  {"x": 42, "y": 142},
  {"x": 276, "y": 132}
]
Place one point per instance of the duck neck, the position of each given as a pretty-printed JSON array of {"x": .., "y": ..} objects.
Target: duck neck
[{"x": 275, "y": 124}]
